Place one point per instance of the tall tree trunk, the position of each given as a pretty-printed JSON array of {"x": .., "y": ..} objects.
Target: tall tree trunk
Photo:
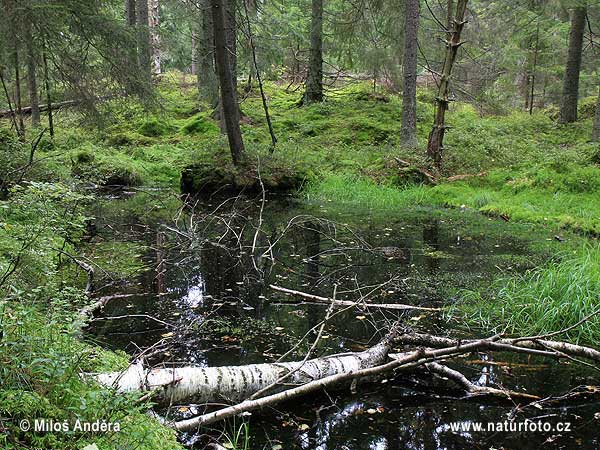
[
  {"x": 596, "y": 129},
  {"x": 48, "y": 95},
  {"x": 144, "y": 48},
  {"x": 314, "y": 81},
  {"x": 435, "y": 146},
  {"x": 231, "y": 112},
  {"x": 231, "y": 38},
  {"x": 130, "y": 15},
  {"x": 408, "y": 133},
  {"x": 534, "y": 70},
  {"x": 568, "y": 105},
  {"x": 34, "y": 100},
  {"x": 154, "y": 23},
  {"x": 208, "y": 89},
  {"x": 14, "y": 25}
]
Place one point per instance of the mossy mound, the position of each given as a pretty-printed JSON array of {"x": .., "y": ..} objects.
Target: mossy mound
[
  {"x": 154, "y": 127},
  {"x": 199, "y": 125},
  {"x": 208, "y": 178},
  {"x": 104, "y": 170}
]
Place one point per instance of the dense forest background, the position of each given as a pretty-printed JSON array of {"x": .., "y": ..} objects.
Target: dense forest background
[{"x": 514, "y": 54}]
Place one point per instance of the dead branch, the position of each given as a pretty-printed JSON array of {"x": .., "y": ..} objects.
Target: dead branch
[{"x": 327, "y": 300}]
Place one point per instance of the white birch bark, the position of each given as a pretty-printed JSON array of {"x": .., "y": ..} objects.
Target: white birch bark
[{"x": 235, "y": 383}]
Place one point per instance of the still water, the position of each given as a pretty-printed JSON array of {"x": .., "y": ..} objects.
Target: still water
[{"x": 203, "y": 298}]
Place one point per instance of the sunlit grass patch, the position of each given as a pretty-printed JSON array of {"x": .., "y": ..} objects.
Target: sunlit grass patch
[
  {"x": 544, "y": 300},
  {"x": 365, "y": 193}
]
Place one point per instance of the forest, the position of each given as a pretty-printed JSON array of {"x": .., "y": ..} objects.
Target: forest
[{"x": 299, "y": 224}]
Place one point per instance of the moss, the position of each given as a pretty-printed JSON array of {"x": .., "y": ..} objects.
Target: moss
[
  {"x": 219, "y": 175},
  {"x": 108, "y": 168},
  {"x": 126, "y": 138},
  {"x": 198, "y": 124},
  {"x": 154, "y": 127}
]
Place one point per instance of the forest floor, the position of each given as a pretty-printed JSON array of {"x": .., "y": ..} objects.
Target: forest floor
[{"x": 527, "y": 168}]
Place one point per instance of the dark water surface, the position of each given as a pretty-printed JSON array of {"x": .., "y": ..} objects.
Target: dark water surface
[{"x": 204, "y": 295}]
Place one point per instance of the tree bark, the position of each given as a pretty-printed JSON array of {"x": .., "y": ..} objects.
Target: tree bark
[
  {"x": 435, "y": 145},
  {"x": 208, "y": 89},
  {"x": 154, "y": 23},
  {"x": 18, "y": 101},
  {"x": 596, "y": 129},
  {"x": 236, "y": 383},
  {"x": 194, "y": 65},
  {"x": 48, "y": 94},
  {"x": 408, "y": 132},
  {"x": 314, "y": 81},
  {"x": 144, "y": 47},
  {"x": 34, "y": 100},
  {"x": 231, "y": 113},
  {"x": 130, "y": 15},
  {"x": 231, "y": 39},
  {"x": 570, "y": 94}
]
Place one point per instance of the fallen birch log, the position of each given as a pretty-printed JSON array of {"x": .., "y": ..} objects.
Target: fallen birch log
[
  {"x": 404, "y": 361},
  {"x": 235, "y": 383},
  {"x": 427, "y": 357},
  {"x": 329, "y": 301},
  {"x": 239, "y": 383}
]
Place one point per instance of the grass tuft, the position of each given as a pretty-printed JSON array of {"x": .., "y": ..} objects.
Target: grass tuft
[{"x": 543, "y": 300}]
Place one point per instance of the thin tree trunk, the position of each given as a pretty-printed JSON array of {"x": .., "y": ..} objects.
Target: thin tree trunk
[
  {"x": 10, "y": 110},
  {"x": 596, "y": 129},
  {"x": 208, "y": 89},
  {"x": 435, "y": 146},
  {"x": 535, "y": 61},
  {"x": 130, "y": 15},
  {"x": 154, "y": 23},
  {"x": 34, "y": 100},
  {"x": 408, "y": 133},
  {"x": 314, "y": 81},
  {"x": 259, "y": 80},
  {"x": 231, "y": 113},
  {"x": 231, "y": 39},
  {"x": 570, "y": 94},
  {"x": 18, "y": 101},
  {"x": 144, "y": 48},
  {"x": 48, "y": 95}
]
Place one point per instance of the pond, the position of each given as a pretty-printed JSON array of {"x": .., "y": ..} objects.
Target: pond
[{"x": 203, "y": 297}]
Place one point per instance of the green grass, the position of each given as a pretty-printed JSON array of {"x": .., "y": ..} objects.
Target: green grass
[
  {"x": 543, "y": 300},
  {"x": 362, "y": 192}
]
